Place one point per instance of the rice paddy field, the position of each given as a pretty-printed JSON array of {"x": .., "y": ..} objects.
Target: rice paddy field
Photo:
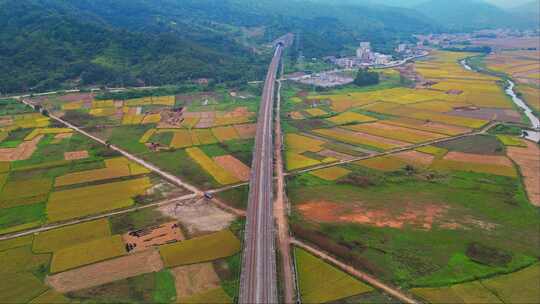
[
  {"x": 157, "y": 127},
  {"x": 439, "y": 219},
  {"x": 336, "y": 284},
  {"x": 448, "y": 101},
  {"x": 523, "y": 67},
  {"x": 50, "y": 173}
]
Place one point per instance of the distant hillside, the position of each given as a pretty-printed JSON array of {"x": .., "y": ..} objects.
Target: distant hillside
[
  {"x": 470, "y": 15},
  {"x": 49, "y": 44},
  {"x": 530, "y": 10}
]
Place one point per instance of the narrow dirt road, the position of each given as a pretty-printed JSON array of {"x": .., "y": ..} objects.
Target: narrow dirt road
[
  {"x": 362, "y": 276},
  {"x": 280, "y": 212}
]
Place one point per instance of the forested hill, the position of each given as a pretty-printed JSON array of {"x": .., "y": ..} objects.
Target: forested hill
[
  {"x": 52, "y": 44},
  {"x": 46, "y": 44}
]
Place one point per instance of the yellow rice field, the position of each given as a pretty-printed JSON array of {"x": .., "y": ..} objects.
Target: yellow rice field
[
  {"x": 355, "y": 139},
  {"x": 294, "y": 160},
  {"x": 383, "y": 163},
  {"x": 78, "y": 202},
  {"x": 348, "y": 117},
  {"x": 225, "y": 133},
  {"x": 181, "y": 139},
  {"x": 147, "y": 135},
  {"x": 43, "y": 131},
  {"x": 331, "y": 174},
  {"x": 314, "y": 112},
  {"x": 205, "y": 136},
  {"x": 114, "y": 168},
  {"x": 56, "y": 239},
  {"x": 201, "y": 249},
  {"x": 87, "y": 253},
  {"x": 300, "y": 143},
  {"x": 219, "y": 174},
  {"x": 396, "y": 132}
]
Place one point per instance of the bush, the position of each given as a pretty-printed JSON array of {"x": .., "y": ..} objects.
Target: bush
[{"x": 366, "y": 78}]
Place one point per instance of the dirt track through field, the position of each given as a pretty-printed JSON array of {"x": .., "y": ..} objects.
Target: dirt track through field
[{"x": 106, "y": 272}]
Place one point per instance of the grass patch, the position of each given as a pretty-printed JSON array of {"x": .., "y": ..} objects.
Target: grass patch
[
  {"x": 126, "y": 222},
  {"x": 478, "y": 144},
  {"x": 12, "y": 217},
  {"x": 164, "y": 287},
  {"x": 236, "y": 197}
]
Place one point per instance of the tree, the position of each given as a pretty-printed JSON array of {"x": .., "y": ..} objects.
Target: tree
[{"x": 366, "y": 78}]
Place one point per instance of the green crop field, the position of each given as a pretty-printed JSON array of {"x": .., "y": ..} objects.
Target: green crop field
[
  {"x": 320, "y": 282},
  {"x": 201, "y": 249},
  {"x": 418, "y": 231}
]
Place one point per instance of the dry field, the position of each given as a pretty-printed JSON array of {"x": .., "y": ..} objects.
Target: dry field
[
  {"x": 233, "y": 166},
  {"x": 195, "y": 279},
  {"x": 418, "y": 216},
  {"x": 75, "y": 155},
  {"x": 146, "y": 238},
  {"x": 22, "y": 152},
  {"x": 199, "y": 217},
  {"x": 106, "y": 272},
  {"x": 528, "y": 160}
]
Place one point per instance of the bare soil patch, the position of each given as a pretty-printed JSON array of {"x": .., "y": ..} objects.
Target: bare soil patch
[
  {"x": 194, "y": 279},
  {"x": 106, "y": 272},
  {"x": 479, "y": 158},
  {"x": 76, "y": 155},
  {"x": 233, "y": 166},
  {"x": 142, "y": 239},
  {"x": 22, "y": 152},
  {"x": 416, "y": 157},
  {"x": 419, "y": 216},
  {"x": 198, "y": 217},
  {"x": 205, "y": 122},
  {"x": 59, "y": 137},
  {"x": 77, "y": 97},
  {"x": 246, "y": 131},
  {"x": 528, "y": 160}
]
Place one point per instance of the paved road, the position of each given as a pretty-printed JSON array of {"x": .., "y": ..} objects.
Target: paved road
[
  {"x": 258, "y": 278},
  {"x": 362, "y": 276},
  {"x": 280, "y": 213}
]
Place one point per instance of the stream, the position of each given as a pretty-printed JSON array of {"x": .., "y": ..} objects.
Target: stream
[{"x": 535, "y": 122}]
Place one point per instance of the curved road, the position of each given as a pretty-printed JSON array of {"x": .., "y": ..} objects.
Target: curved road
[{"x": 258, "y": 279}]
